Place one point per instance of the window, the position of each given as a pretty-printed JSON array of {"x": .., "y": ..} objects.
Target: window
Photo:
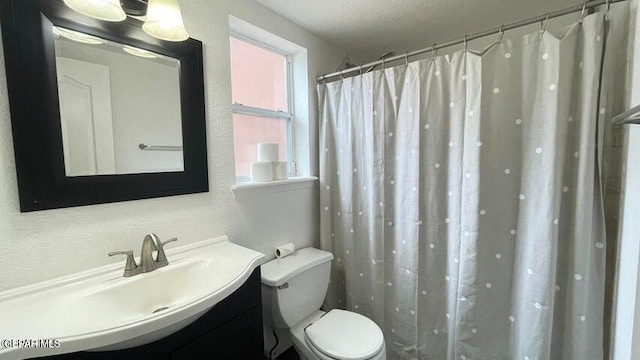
[{"x": 262, "y": 105}]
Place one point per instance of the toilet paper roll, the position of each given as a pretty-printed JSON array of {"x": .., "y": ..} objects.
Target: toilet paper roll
[
  {"x": 268, "y": 152},
  {"x": 285, "y": 250},
  {"x": 279, "y": 170},
  {"x": 261, "y": 172}
]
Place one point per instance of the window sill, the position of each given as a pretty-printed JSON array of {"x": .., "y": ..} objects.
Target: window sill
[{"x": 294, "y": 183}]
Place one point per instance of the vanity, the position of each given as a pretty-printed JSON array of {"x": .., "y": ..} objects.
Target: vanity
[
  {"x": 207, "y": 300},
  {"x": 232, "y": 329}
]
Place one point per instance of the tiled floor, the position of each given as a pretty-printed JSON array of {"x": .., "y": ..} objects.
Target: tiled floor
[{"x": 290, "y": 354}]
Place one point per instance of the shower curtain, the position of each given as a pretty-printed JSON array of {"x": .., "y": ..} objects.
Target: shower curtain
[{"x": 461, "y": 195}]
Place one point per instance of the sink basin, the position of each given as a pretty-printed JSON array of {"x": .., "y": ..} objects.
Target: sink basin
[{"x": 101, "y": 310}]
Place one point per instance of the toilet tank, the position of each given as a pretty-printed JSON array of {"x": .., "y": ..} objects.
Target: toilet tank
[{"x": 295, "y": 286}]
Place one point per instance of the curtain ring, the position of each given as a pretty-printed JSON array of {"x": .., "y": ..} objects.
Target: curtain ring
[
  {"x": 608, "y": 5},
  {"x": 434, "y": 51},
  {"x": 584, "y": 9},
  {"x": 341, "y": 76},
  {"x": 501, "y": 33},
  {"x": 465, "y": 42},
  {"x": 406, "y": 58},
  {"x": 360, "y": 69},
  {"x": 383, "y": 63},
  {"x": 543, "y": 25}
]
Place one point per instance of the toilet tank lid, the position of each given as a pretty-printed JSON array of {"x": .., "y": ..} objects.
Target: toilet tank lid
[{"x": 278, "y": 271}]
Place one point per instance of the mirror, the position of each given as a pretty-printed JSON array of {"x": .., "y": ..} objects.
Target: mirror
[
  {"x": 119, "y": 107},
  {"x": 100, "y": 111}
]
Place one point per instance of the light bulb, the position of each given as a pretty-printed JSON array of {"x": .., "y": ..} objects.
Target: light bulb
[
  {"x": 77, "y": 36},
  {"x": 164, "y": 21},
  {"x": 107, "y": 10},
  {"x": 139, "y": 52}
]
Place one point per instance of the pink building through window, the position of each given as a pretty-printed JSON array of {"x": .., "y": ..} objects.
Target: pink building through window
[{"x": 258, "y": 80}]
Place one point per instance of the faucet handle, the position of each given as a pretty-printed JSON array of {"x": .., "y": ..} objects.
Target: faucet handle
[
  {"x": 131, "y": 265},
  {"x": 161, "y": 258},
  {"x": 168, "y": 241}
]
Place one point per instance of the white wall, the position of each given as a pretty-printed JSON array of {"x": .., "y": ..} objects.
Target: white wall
[{"x": 46, "y": 244}]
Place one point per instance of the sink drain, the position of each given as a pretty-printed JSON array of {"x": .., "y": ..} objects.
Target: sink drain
[{"x": 160, "y": 309}]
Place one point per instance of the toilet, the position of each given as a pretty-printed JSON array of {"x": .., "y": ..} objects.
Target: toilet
[{"x": 293, "y": 290}]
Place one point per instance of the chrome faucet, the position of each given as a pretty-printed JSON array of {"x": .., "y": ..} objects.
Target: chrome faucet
[{"x": 150, "y": 244}]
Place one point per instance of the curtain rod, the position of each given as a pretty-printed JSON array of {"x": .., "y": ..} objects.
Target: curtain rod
[{"x": 467, "y": 38}]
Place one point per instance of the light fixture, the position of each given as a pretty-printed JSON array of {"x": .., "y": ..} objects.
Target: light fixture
[
  {"x": 164, "y": 21},
  {"x": 107, "y": 10},
  {"x": 139, "y": 52},
  {"x": 77, "y": 36},
  {"x": 134, "y": 7}
]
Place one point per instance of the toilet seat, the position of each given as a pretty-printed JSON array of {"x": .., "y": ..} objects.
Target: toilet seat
[{"x": 344, "y": 335}]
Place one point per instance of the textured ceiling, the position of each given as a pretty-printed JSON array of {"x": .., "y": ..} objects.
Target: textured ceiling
[{"x": 369, "y": 28}]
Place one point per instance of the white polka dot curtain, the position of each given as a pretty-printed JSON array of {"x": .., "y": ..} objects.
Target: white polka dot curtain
[{"x": 460, "y": 196}]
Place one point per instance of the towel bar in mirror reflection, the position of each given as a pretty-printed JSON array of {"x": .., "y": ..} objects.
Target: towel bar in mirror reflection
[{"x": 159, "y": 147}]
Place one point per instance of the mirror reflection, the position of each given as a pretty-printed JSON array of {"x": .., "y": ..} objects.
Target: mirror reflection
[{"x": 119, "y": 107}]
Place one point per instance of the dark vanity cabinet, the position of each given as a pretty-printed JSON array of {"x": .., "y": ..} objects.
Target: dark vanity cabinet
[{"x": 232, "y": 329}]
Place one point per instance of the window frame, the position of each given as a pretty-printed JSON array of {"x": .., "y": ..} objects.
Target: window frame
[{"x": 288, "y": 116}]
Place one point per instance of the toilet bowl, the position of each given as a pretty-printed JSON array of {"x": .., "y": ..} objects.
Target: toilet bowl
[
  {"x": 294, "y": 288},
  {"x": 338, "y": 334}
]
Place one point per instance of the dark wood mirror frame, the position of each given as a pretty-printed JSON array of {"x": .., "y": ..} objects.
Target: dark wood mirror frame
[{"x": 35, "y": 116}]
